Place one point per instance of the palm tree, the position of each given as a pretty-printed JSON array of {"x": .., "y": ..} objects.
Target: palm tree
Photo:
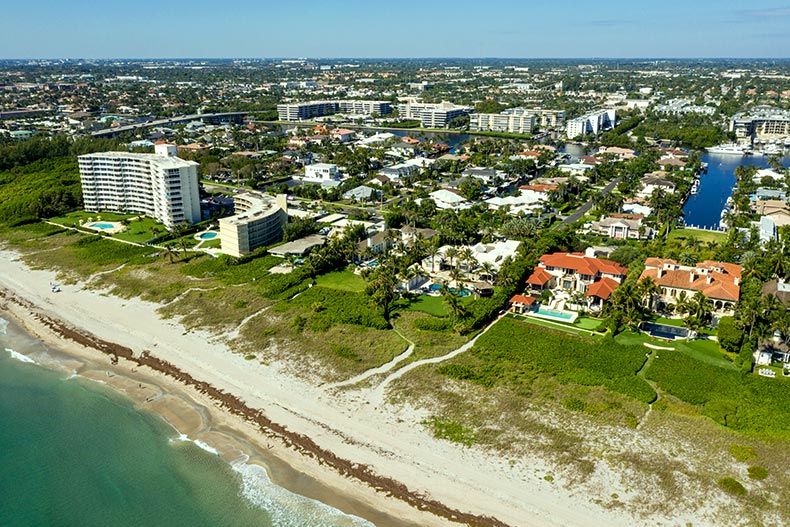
[
  {"x": 688, "y": 258},
  {"x": 450, "y": 253},
  {"x": 487, "y": 270},
  {"x": 466, "y": 255},
  {"x": 453, "y": 305},
  {"x": 648, "y": 290},
  {"x": 433, "y": 251},
  {"x": 701, "y": 307}
]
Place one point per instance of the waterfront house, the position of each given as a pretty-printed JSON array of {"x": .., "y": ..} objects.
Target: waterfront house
[
  {"x": 575, "y": 272},
  {"x": 719, "y": 281},
  {"x": 653, "y": 181},
  {"x": 622, "y": 227},
  {"x": 521, "y": 304}
]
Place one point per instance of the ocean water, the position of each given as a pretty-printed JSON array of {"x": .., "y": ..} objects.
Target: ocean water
[{"x": 74, "y": 454}]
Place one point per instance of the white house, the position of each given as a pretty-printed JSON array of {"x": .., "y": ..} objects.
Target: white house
[
  {"x": 321, "y": 172},
  {"x": 447, "y": 199}
]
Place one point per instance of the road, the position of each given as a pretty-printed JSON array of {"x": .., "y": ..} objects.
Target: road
[{"x": 581, "y": 211}]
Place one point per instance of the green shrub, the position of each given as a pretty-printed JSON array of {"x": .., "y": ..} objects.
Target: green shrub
[
  {"x": 730, "y": 335},
  {"x": 451, "y": 431},
  {"x": 576, "y": 405},
  {"x": 433, "y": 324},
  {"x": 757, "y": 472},
  {"x": 746, "y": 403},
  {"x": 345, "y": 353},
  {"x": 732, "y": 486},
  {"x": 742, "y": 453},
  {"x": 515, "y": 353}
]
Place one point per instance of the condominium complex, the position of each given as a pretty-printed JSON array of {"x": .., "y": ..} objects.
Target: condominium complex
[
  {"x": 545, "y": 118},
  {"x": 431, "y": 115},
  {"x": 516, "y": 120},
  {"x": 301, "y": 111},
  {"x": 502, "y": 122},
  {"x": 158, "y": 185},
  {"x": 761, "y": 122},
  {"x": 258, "y": 222},
  {"x": 591, "y": 123}
]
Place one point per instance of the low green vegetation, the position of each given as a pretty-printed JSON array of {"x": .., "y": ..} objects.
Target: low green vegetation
[
  {"x": 732, "y": 486},
  {"x": 700, "y": 236},
  {"x": 516, "y": 354},
  {"x": 451, "y": 431},
  {"x": 757, "y": 472},
  {"x": 342, "y": 280},
  {"x": 747, "y": 403}
]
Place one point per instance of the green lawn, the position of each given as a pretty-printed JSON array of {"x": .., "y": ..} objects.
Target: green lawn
[
  {"x": 703, "y": 236},
  {"x": 139, "y": 229},
  {"x": 342, "y": 281},
  {"x": 588, "y": 323},
  {"x": 432, "y": 305},
  {"x": 703, "y": 350},
  {"x": 558, "y": 326}
]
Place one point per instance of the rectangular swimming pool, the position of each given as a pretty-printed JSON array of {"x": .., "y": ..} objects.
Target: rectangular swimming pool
[{"x": 568, "y": 317}]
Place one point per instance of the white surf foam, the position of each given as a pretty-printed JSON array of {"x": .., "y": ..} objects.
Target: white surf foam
[
  {"x": 3, "y": 326},
  {"x": 201, "y": 444},
  {"x": 18, "y": 356},
  {"x": 286, "y": 508}
]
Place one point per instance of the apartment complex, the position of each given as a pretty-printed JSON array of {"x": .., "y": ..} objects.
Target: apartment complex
[
  {"x": 431, "y": 115},
  {"x": 544, "y": 118},
  {"x": 761, "y": 122},
  {"x": 591, "y": 123},
  {"x": 301, "y": 111},
  {"x": 158, "y": 185},
  {"x": 502, "y": 122},
  {"x": 258, "y": 222}
]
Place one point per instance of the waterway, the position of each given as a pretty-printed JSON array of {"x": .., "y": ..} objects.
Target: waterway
[{"x": 703, "y": 209}]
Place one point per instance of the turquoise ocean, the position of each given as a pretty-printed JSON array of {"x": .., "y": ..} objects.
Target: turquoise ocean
[{"x": 75, "y": 454}]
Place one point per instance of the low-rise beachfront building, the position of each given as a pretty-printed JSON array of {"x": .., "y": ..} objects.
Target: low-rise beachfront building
[
  {"x": 258, "y": 222},
  {"x": 160, "y": 185},
  {"x": 719, "y": 281}
]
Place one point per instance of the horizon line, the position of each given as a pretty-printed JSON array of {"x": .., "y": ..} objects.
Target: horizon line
[{"x": 655, "y": 58}]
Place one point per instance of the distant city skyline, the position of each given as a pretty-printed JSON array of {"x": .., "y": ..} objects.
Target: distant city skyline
[{"x": 378, "y": 29}]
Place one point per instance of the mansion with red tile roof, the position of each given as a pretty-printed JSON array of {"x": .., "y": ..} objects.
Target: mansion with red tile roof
[
  {"x": 719, "y": 281},
  {"x": 595, "y": 277}
]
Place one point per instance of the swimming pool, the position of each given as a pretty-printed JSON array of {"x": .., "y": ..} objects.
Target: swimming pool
[
  {"x": 207, "y": 235},
  {"x": 102, "y": 226},
  {"x": 435, "y": 288},
  {"x": 664, "y": 331},
  {"x": 553, "y": 314}
]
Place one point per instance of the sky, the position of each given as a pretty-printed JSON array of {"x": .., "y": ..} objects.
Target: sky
[{"x": 389, "y": 28}]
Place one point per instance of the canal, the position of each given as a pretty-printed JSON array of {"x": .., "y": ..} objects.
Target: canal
[{"x": 703, "y": 209}]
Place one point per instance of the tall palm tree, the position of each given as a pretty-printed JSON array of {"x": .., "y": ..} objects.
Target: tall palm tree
[
  {"x": 648, "y": 291},
  {"x": 451, "y": 253},
  {"x": 433, "y": 251},
  {"x": 487, "y": 270}
]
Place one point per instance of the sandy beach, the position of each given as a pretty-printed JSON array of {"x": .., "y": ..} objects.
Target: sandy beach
[{"x": 334, "y": 447}]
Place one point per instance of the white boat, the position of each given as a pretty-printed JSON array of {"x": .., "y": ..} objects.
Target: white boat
[{"x": 729, "y": 149}]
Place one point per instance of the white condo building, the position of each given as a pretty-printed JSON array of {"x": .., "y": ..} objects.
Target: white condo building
[
  {"x": 158, "y": 185},
  {"x": 431, "y": 115},
  {"x": 591, "y": 123},
  {"x": 301, "y": 111},
  {"x": 502, "y": 122},
  {"x": 258, "y": 222}
]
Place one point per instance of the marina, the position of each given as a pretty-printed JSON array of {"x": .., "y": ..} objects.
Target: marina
[{"x": 706, "y": 205}]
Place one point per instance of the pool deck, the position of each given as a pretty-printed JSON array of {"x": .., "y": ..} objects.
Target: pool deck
[{"x": 117, "y": 226}]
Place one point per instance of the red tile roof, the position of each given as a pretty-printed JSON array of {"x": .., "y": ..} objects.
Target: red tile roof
[
  {"x": 539, "y": 277},
  {"x": 582, "y": 264},
  {"x": 521, "y": 299},
  {"x": 721, "y": 282},
  {"x": 603, "y": 288},
  {"x": 538, "y": 188}
]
